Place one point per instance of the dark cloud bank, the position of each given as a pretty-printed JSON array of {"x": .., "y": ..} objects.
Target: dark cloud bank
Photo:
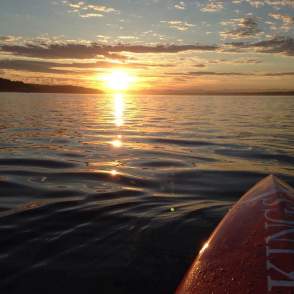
[
  {"x": 86, "y": 51},
  {"x": 71, "y": 50}
]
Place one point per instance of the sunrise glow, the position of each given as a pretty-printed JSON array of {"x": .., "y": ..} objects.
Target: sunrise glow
[
  {"x": 119, "y": 80},
  {"x": 129, "y": 128}
]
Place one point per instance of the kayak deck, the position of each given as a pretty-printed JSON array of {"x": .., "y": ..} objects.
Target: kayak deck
[{"x": 252, "y": 249}]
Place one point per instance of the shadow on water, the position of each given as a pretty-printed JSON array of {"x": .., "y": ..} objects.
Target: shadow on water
[{"x": 121, "y": 200}]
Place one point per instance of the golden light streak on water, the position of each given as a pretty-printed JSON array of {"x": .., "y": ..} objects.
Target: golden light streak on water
[
  {"x": 118, "y": 110},
  {"x": 116, "y": 143},
  {"x": 114, "y": 172}
]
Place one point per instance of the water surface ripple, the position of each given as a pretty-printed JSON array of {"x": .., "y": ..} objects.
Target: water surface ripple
[{"x": 116, "y": 194}]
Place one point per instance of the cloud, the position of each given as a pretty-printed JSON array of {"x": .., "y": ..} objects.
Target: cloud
[
  {"x": 244, "y": 27},
  {"x": 200, "y": 65},
  {"x": 288, "y": 21},
  {"x": 72, "y": 50},
  {"x": 178, "y": 24},
  {"x": 212, "y": 6},
  {"x": 277, "y": 4},
  {"x": 246, "y": 61},
  {"x": 87, "y": 15},
  {"x": 279, "y": 74},
  {"x": 229, "y": 74},
  {"x": 278, "y": 45},
  {"x": 69, "y": 50},
  {"x": 9, "y": 39},
  {"x": 181, "y": 5},
  {"x": 236, "y": 61},
  {"x": 212, "y": 73},
  {"x": 53, "y": 67},
  {"x": 128, "y": 37},
  {"x": 206, "y": 73},
  {"x": 54, "y": 48},
  {"x": 32, "y": 66},
  {"x": 85, "y": 10},
  {"x": 256, "y": 3},
  {"x": 73, "y": 67}
]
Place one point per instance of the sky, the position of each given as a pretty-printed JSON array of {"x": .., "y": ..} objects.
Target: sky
[{"x": 166, "y": 45}]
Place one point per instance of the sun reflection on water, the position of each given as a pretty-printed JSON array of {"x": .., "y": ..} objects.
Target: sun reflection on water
[
  {"x": 118, "y": 109},
  {"x": 118, "y": 120},
  {"x": 117, "y": 143},
  {"x": 114, "y": 172}
]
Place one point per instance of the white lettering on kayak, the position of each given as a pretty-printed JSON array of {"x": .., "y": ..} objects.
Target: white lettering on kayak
[
  {"x": 269, "y": 193},
  {"x": 270, "y": 251},
  {"x": 275, "y": 283},
  {"x": 280, "y": 283},
  {"x": 275, "y": 236},
  {"x": 281, "y": 221},
  {"x": 276, "y": 242}
]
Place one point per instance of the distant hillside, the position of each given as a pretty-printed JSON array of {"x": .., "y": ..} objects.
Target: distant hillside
[{"x": 14, "y": 86}]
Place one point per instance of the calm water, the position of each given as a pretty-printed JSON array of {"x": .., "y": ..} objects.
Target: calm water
[{"x": 116, "y": 194}]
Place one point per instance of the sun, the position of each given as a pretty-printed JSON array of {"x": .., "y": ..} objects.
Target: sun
[{"x": 119, "y": 80}]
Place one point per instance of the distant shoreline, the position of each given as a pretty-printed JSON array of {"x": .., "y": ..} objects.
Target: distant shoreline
[
  {"x": 21, "y": 87},
  {"x": 291, "y": 93},
  {"x": 156, "y": 94},
  {"x": 8, "y": 86}
]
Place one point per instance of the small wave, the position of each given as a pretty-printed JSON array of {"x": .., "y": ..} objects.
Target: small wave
[
  {"x": 46, "y": 163},
  {"x": 257, "y": 154},
  {"x": 94, "y": 217},
  {"x": 180, "y": 142}
]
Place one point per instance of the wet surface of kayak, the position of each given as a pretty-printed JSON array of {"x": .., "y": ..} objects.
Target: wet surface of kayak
[{"x": 252, "y": 249}]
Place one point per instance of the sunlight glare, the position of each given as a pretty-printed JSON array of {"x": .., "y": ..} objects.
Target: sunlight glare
[
  {"x": 116, "y": 143},
  {"x": 119, "y": 80},
  {"x": 204, "y": 247},
  {"x": 118, "y": 110},
  {"x": 114, "y": 172}
]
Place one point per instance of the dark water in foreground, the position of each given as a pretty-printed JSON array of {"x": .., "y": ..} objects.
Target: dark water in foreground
[{"x": 113, "y": 194}]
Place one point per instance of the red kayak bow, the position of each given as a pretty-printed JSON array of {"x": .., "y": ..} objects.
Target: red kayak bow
[{"x": 252, "y": 249}]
